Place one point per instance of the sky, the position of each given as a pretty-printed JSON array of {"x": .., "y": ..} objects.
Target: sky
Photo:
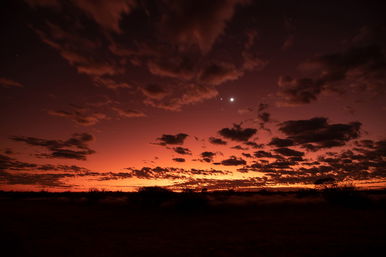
[{"x": 230, "y": 94}]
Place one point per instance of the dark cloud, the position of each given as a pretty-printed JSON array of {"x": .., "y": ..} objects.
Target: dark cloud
[
  {"x": 67, "y": 154},
  {"x": 75, "y": 147},
  {"x": 128, "y": 113},
  {"x": 177, "y": 139},
  {"x": 114, "y": 176},
  {"x": 182, "y": 150},
  {"x": 11, "y": 164},
  {"x": 215, "y": 184},
  {"x": 218, "y": 73},
  {"x": 239, "y": 147},
  {"x": 288, "y": 152},
  {"x": 361, "y": 67},
  {"x": 198, "y": 22},
  {"x": 81, "y": 116},
  {"x": 254, "y": 145},
  {"x": 179, "y": 159},
  {"x": 237, "y": 133},
  {"x": 280, "y": 142},
  {"x": 182, "y": 67},
  {"x": 248, "y": 155},
  {"x": 217, "y": 141},
  {"x": 106, "y": 13},
  {"x": 264, "y": 154},
  {"x": 110, "y": 83},
  {"x": 264, "y": 116},
  {"x": 171, "y": 173},
  {"x": 317, "y": 133},
  {"x": 46, "y": 180},
  {"x": 8, "y": 163},
  {"x": 233, "y": 161},
  {"x": 207, "y": 156},
  {"x": 154, "y": 91},
  {"x": 299, "y": 91}
]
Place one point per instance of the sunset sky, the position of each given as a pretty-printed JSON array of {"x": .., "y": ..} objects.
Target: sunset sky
[{"x": 217, "y": 94}]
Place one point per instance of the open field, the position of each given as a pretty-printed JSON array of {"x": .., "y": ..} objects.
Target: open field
[{"x": 193, "y": 224}]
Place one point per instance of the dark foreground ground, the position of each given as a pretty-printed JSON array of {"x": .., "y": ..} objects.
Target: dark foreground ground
[{"x": 211, "y": 224}]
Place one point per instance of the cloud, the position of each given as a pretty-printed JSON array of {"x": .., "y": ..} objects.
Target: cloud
[
  {"x": 197, "y": 22},
  {"x": 217, "y": 141},
  {"x": 75, "y": 147},
  {"x": 80, "y": 116},
  {"x": 177, "y": 139},
  {"x": 49, "y": 180},
  {"x": 128, "y": 113},
  {"x": 215, "y": 184},
  {"x": 218, "y": 73},
  {"x": 4, "y": 82},
  {"x": 154, "y": 91},
  {"x": 233, "y": 161},
  {"x": 299, "y": 91},
  {"x": 317, "y": 133},
  {"x": 207, "y": 156},
  {"x": 106, "y": 13},
  {"x": 182, "y": 66},
  {"x": 171, "y": 172},
  {"x": 288, "y": 152},
  {"x": 237, "y": 133},
  {"x": 110, "y": 83},
  {"x": 8, "y": 163},
  {"x": 280, "y": 142},
  {"x": 361, "y": 67},
  {"x": 79, "y": 50},
  {"x": 263, "y": 154},
  {"x": 179, "y": 159},
  {"x": 182, "y": 150},
  {"x": 11, "y": 164},
  {"x": 254, "y": 145},
  {"x": 239, "y": 147},
  {"x": 187, "y": 94}
]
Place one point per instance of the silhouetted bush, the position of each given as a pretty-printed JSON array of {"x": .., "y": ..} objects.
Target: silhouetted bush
[
  {"x": 151, "y": 197},
  {"x": 346, "y": 195}
]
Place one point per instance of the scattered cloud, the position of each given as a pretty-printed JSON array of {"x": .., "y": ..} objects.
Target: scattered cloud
[
  {"x": 237, "y": 133},
  {"x": 317, "y": 133},
  {"x": 80, "y": 115},
  {"x": 361, "y": 67},
  {"x": 233, "y": 161},
  {"x": 217, "y": 141},
  {"x": 128, "y": 113},
  {"x": 179, "y": 159},
  {"x": 197, "y": 23},
  {"x": 288, "y": 152},
  {"x": 207, "y": 156},
  {"x": 177, "y": 139},
  {"x": 182, "y": 150},
  {"x": 75, "y": 147}
]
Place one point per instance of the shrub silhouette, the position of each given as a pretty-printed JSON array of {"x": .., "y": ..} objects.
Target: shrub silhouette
[
  {"x": 152, "y": 197},
  {"x": 345, "y": 195}
]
